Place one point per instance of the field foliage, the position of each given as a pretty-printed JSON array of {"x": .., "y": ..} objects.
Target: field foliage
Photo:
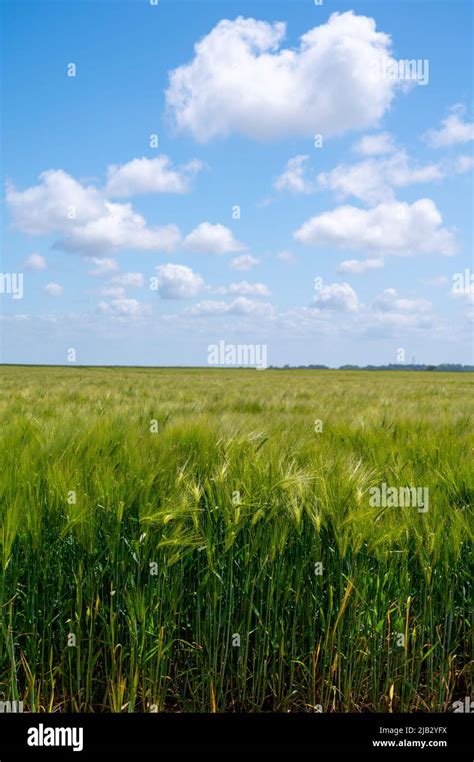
[{"x": 210, "y": 549}]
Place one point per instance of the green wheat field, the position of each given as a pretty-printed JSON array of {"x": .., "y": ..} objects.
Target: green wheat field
[{"x": 194, "y": 540}]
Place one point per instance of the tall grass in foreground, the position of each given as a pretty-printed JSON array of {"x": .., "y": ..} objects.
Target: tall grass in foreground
[{"x": 187, "y": 567}]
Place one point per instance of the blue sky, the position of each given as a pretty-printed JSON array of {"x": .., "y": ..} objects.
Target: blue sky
[{"x": 380, "y": 212}]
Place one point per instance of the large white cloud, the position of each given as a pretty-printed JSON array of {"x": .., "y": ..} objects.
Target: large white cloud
[
  {"x": 83, "y": 217},
  {"x": 207, "y": 238},
  {"x": 394, "y": 228},
  {"x": 58, "y": 202},
  {"x": 119, "y": 228},
  {"x": 150, "y": 176},
  {"x": 242, "y": 80},
  {"x": 178, "y": 282}
]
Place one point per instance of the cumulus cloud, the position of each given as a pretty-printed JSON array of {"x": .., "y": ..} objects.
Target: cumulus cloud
[
  {"x": 454, "y": 130},
  {"x": 384, "y": 315},
  {"x": 56, "y": 203},
  {"x": 394, "y": 228},
  {"x": 375, "y": 145},
  {"x": 328, "y": 80},
  {"x": 337, "y": 296},
  {"x": 373, "y": 180},
  {"x": 294, "y": 178},
  {"x": 54, "y": 289},
  {"x": 150, "y": 176},
  {"x": 124, "y": 308},
  {"x": 243, "y": 263},
  {"x": 357, "y": 266},
  {"x": 178, "y": 282},
  {"x": 35, "y": 262},
  {"x": 390, "y": 301},
  {"x": 246, "y": 289},
  {"x": 240, "y": 306},
  {"x": 103, "y": 265},
  {"x": 86, "y": 220},
  {"x": 212, "y": 239},
  {"x": 119, "y": 228}
]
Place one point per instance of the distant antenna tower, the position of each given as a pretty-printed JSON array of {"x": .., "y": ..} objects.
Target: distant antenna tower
[{"x": 413, "y": 360}]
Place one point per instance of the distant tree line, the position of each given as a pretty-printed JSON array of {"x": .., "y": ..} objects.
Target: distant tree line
[{"x": 451, "y": 367}]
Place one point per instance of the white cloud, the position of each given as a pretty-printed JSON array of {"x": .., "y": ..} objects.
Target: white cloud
[
  {"x": 57, "y": 203},
  {"x": 150, "y": 176},
  {"x": 119, "y": 228},
  {"x": 373, "y": 180},
  {"x": 129, "y": 280},
  {"x": 89, "y": 224},
  {"x": 54, "y": 289},
  {"x": 454, "y": 130},
  {"x": 328, "y": 80},
  {"x": 247, "y": 289},
  {"x": 243, "y": 263},
  {"x": 178, "y": 282},
  {"x": 394, "y": 228},
  {"x": 35, "y": 262},
  {"x": 337, "y": 296},
  {"x": 357, "y": 266},
  {"x": 390, "y": 312},
  {"x": 212, "y": 239},
  {"x": 103, "y": 265},
  {"x": 293, "y": 179},
  {"x": 390, "y": 301},
  {"x": 239, "y": 306},
  {"x": 375, "y": 145},
  {"x": 124, "y": 308},
  {"x": 463, "y": 286}
]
